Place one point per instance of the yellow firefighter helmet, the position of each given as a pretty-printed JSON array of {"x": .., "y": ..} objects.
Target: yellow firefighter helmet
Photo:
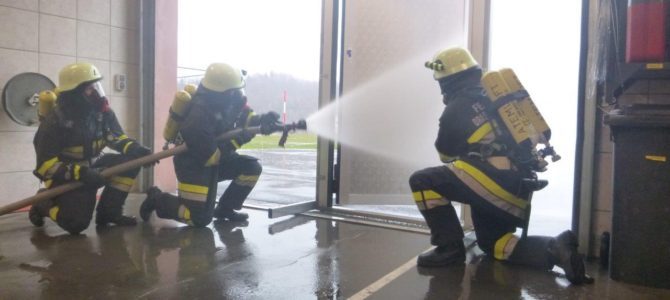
[
  {"x": 73, "y": 75},
  {"x": 221, "y": 77},
  {"x": 451, "y": 61}
]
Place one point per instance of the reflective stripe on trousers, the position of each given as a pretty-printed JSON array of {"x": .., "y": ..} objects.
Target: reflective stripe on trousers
[
  {"x": 488, "y": 189},
  {"x": 428, "y": 199}
]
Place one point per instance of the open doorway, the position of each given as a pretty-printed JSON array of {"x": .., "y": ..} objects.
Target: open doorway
[
  {"x": 541, "y": 43},
  {"x": 376, "y": 108},
  {"x": 389, "y": 104},
  {"x": 278, "y": 44}
]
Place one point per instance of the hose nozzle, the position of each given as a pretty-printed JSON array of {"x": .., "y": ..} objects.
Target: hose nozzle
[{"x": 300, "y": 125}]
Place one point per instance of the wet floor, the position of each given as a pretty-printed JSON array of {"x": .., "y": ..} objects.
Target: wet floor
[
  {"x": 286, "y": 258},
  {"x": 289, "y": 176}
]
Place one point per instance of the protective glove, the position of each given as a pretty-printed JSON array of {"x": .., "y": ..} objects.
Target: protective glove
[
  {"x": 269, "y": 122},
  {"x": 91, "y": 177}
]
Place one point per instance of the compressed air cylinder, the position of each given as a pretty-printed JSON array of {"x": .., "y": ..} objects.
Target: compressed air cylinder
[
  {"x": 47, "y": 102},
  {"x": 515, "y": 121},
  {"x": 190, "y": 89},
  {"x": 178, "y": 110},
  {"x": 527, "y": 106}
]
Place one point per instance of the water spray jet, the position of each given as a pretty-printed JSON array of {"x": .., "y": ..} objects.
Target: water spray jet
[{"x": 395, "y": 115}]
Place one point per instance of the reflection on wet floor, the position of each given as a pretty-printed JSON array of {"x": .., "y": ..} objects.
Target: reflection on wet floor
[
  {"x": 75, "y": 266},
  {"x": 288, "y": 258},
  {"x": 289, "y": 176}
]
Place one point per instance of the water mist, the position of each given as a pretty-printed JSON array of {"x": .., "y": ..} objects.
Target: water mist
[{"x": 394, "y": 115}]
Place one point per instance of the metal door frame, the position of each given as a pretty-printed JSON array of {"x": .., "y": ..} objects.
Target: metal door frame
[
  {"x": 329, "y": 87},
  {"x": 327, "y": 94}
]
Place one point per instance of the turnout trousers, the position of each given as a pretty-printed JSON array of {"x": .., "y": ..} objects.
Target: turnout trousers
[
  {"x": 197, "y": 188},
  {"x": 498, "y": 204},
  {"x": 73, "y": 210}
]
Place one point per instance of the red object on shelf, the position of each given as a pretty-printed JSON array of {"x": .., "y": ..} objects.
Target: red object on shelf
[{"x": 645, "y": 31}]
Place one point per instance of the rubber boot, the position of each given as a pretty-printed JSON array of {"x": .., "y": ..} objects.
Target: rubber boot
[
  {"x": 230, "y": 201},
  {"x": 532, "y": 251},
  {"x": 222, "y": 213},
  {"x": 149, "y": 204},
  {"x": 39, "y": 211},
  {"x": 167, "y": 206},
  {"x": 447, "y": 234},
  {"x": 563, "y": 252},
  {"x": 110, "y": 209},
  {"x": 444, "y": 225},
  {"x": 233, "y": 197},
  {"x": 442, "y": 256}
]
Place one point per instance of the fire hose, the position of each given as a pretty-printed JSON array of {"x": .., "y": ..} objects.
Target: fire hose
[{"x": 136, "y": 163}]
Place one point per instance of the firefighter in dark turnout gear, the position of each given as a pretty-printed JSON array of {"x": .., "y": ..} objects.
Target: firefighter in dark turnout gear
[
  {"x": 219, "y": 105},
  {"x": 477, "y": 172},
  {"x": 69, "y": 144}
]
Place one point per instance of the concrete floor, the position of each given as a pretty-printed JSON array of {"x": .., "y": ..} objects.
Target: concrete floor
[
  {"x": 289, "y": 176},
  {"x": 286, "y": 258}
]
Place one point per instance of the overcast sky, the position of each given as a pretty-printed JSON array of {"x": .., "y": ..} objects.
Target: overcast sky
[{"x": 256, "y": 35}]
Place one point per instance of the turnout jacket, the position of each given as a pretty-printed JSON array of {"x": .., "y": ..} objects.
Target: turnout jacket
[
  {"x": 465, "y": 129},
  {"x": 204, "y": 123},
  {"x": 464, "y": 124},
  {"x": 66, "y": 141}
]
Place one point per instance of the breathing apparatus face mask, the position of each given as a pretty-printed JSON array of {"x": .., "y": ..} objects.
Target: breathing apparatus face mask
[
  {"x": 237, "y": 100},
  {"x": 227, "y": 105},
  {"x": 95, "y": 96}
]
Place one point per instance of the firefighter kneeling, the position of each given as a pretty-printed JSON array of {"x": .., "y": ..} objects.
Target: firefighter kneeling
[
  {"x": 487, "y": 180},
  {"x": 69, "y": 143},
  {"x": 218, "y": 105}
]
